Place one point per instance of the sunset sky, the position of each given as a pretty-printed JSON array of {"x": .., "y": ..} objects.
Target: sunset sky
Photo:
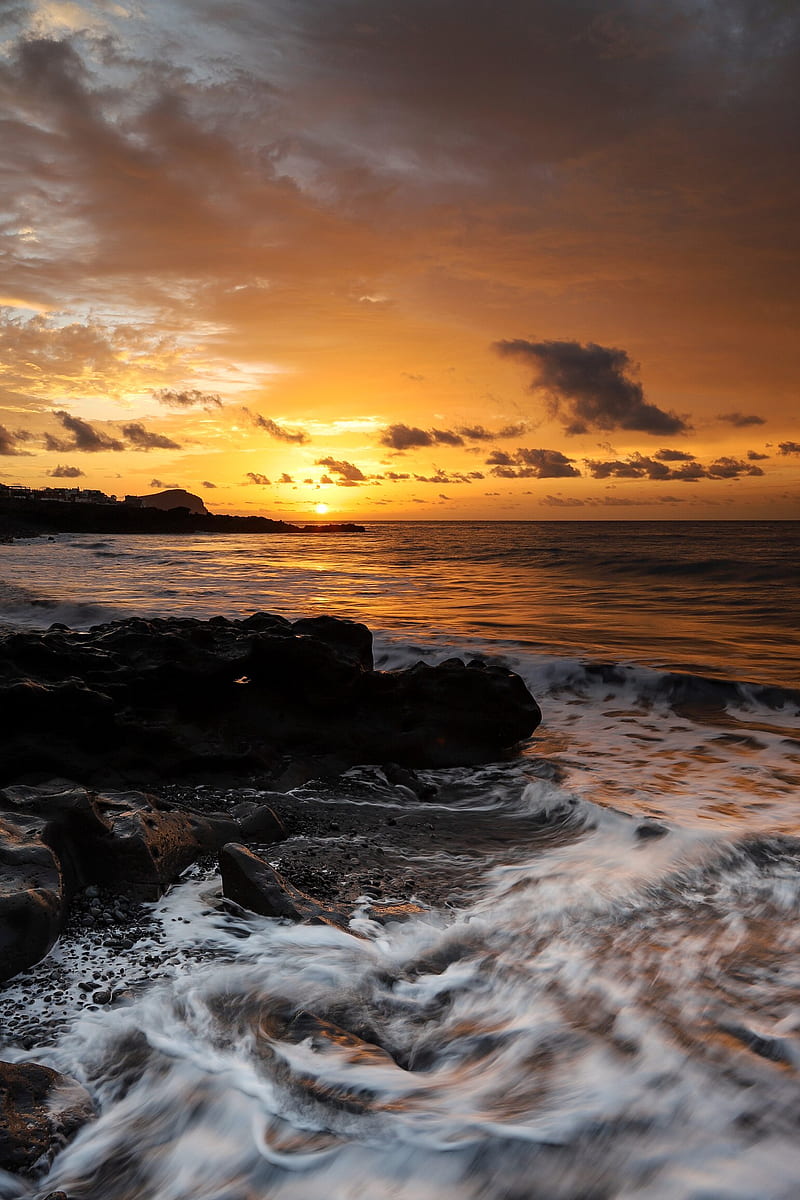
[{"x": 407, "y": 259}]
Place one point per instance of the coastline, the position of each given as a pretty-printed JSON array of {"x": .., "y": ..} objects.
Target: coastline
[{"x": 22, "y": 519}]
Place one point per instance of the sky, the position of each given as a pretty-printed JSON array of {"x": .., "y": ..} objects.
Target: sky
[{"x": 392, "y": 259}]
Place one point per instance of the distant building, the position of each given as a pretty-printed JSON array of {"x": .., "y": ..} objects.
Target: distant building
[{"x": 62, "y": 494}]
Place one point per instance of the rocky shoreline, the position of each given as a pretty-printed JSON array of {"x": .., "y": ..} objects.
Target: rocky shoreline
[
  {"x": 140, "y": 748},
  {"x": 33, "y": 518}
]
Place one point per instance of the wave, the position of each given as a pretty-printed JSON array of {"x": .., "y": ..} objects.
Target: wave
[
  {"x": 555, "y": 675},
  {"x": 22, "y": 607},
  {"x": 719, "y": 569},
  {"x": 599, "y": 1012}
]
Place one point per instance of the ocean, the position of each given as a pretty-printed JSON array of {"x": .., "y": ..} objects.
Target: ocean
[{"x": 600, "y": 996}]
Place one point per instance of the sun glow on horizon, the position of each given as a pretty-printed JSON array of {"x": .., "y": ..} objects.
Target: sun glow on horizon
[{"x": 320, "y": 508}]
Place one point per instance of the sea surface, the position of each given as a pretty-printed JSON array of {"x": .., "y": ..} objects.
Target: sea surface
[{"x": 606, "y": 1000}]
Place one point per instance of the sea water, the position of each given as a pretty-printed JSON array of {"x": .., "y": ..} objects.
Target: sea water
[{"x": 609, "y": 1007}]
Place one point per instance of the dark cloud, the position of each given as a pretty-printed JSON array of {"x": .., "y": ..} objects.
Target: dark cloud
[
  {"x": 531, "y": 464},
  {"x": 674, "y": 456},
  {"x": 206, "y": 483},
  {"x": 85, "y": 437},
  {"x": 477, "y": 433},
  {"x": 730, "y": 468},
  {"x": 255, "y": 477},
  {"x": 446, "y": 437},
  {"x": 590, "y": 386},
  {"x": 66, "y": 473},
  {"x": 285, "y": 478},
  {"x": 9, "y": 443},
  {"x": 187, "y": 399},
  {"x": 740, "y": 420},
  {"x": 408, "y": 437},
  {"x": 754, "y": 456},
  {"x": 405, "y": 437},
  {"x": 347, "y": 471},
  {"x": 446, "y": 477},
  {"x": 145, "y": 439},
  {"x": 562, "y": 502},
  {"x": 639, "y": 466},
  {"x": 281, "y": 434},
  {"x": 789, "y": 447},
  {"x": 164, "y": 487},
  {"x": 549, "y": 464}
]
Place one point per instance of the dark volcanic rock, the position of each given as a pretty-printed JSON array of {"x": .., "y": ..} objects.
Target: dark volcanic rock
[
  {"x": 59, "y": 837},
  {"x": 253, "y": 884},
  {"x": 141, "y": 700},
  {"x": 32, "y": 896},
  {"x": 40, "y": 1110}
]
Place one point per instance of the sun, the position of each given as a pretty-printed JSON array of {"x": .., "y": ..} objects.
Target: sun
[{"x": 320, "y": 508}]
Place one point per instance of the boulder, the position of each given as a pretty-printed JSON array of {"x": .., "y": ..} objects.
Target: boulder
[
  {"x": 40, "y": 1110},
  {"x": 252, "y": 883},
  {"x": 32, "y": 895},
  {"x": 58, "y": 837},
  {"x": 126, "y": 840},
  {"x": 135, "y": 701}
]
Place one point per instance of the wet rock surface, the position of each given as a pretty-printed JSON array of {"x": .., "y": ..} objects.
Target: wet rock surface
[
  {"x": 140, "y": 701},
  {"x": 58, "y": 837},
  {"x": 252, "y": 883},
  {"x": 40, "y": 1110}
]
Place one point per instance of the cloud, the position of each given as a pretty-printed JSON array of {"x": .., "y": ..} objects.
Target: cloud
[
  {"x": 165, "y": 487},
  {"x": 674, "y": 456},
  {"x": 405, "y": 437},
  {"x": 206, "y": 483},
  {"x": 730, "y": 468},
  {"x": 174, "y": 166},
  {"x": 740, "y": 420},
  {"x": 285, "y": 478},
  {"x": 85, "y": 437},
  {"x": 255, "y": 477},
  {"x": 562, "y": 502},
  {"x": 639, "y": 466},
  {"x": 477, "y": 433},
  {"x": 789, "y": 447},
  {"x": 589, "y": 386},
  {"x": 446, "y": 437},
  {"x": 754, "y": 456},
  {"x": 347, "y": 471},
  {"x": 444, "y": 477},
  {"x": 145, "y": 439},
  {"x": 187, "y": 399},
  {"x": 531, "y": 464},
  {"x": 281, "y": 434},
  {"x": 66, "y": 473},
  {"x": 9, "y": 443},
  {"x": 409, "y": 437}
]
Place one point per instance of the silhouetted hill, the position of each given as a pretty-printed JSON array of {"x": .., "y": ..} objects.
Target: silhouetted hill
[{"x": 174, "y": 498}]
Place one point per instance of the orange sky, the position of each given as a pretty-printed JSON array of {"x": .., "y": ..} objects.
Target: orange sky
[{"x": 413, "y": 258}]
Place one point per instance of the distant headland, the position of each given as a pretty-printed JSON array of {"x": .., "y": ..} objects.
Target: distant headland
[{"x": 29, "y": 512}]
